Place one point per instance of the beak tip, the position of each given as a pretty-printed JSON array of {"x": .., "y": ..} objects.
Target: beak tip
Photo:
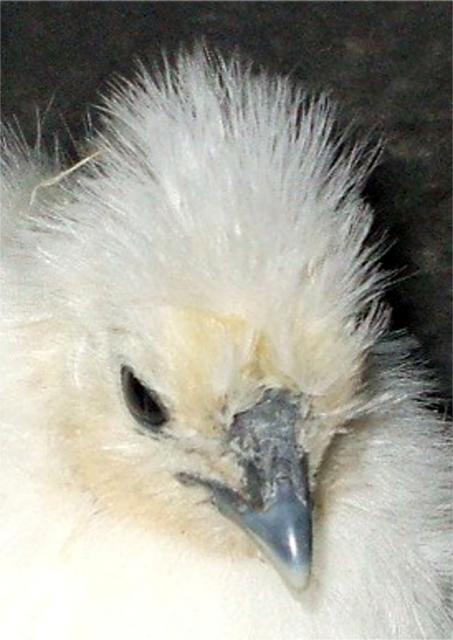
[
  {"x": 295, "y": 571},
  {"x": 297, "y": 581}
]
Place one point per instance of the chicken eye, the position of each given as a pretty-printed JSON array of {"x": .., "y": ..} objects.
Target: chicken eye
[{"x": 143, "y": 403}]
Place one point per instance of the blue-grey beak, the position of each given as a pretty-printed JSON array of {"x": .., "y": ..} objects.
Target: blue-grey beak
[
  {"x": 281, "y": 529},
  {"x": 274, "y": 508}
]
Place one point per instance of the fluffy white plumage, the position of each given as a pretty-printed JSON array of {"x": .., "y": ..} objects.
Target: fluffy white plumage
[{"x": 216, "y": 245}]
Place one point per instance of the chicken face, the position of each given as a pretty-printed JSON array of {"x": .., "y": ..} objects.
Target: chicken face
[{"x": 202, "y": 427}]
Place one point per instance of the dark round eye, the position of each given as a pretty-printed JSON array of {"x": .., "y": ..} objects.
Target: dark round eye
[{"x": 143, "y": 403}]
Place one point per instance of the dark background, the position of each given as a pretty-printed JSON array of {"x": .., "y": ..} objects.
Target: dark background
[{"x": 388, "y": 63}]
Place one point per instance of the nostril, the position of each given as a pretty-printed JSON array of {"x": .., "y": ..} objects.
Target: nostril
[{"x": 253, "y": 480}]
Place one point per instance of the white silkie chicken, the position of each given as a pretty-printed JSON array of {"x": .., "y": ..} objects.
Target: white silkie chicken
[{"x": 206, "y": 432}]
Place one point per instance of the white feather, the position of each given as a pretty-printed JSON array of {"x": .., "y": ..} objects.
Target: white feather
[{"x": 220, "y": 211}]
